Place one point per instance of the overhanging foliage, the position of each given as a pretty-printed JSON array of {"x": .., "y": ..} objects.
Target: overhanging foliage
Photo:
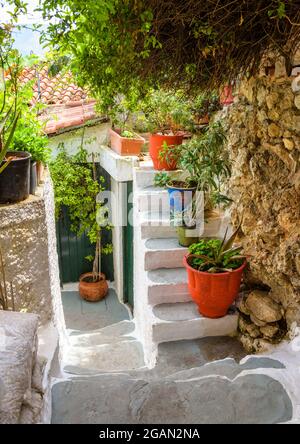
[{"x": 123, "y": 44}]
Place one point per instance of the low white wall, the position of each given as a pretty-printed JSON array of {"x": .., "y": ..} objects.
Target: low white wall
[{"x": 91, "y": 137}]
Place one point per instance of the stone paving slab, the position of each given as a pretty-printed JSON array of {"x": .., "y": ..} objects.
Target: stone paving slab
[{"x": 117, "y": 399}]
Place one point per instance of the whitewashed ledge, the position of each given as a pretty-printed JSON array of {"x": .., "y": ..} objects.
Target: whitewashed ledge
[{"x": 120, "y": 168}]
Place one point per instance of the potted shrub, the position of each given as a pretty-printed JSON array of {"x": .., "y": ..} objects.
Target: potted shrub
[
  {"x": 14, "y": 165},
  {"x": 123, "y": 139},
  {"x": 206, "y": 164},
  {"x": 167, "y": 115},
  {"x": 77, "y": 187},
  {"x": 214, "y": 268},
  {"x": 30, "y": 138}
]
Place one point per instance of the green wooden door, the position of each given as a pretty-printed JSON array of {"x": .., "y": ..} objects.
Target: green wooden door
[{"x": 73, "y": 249}]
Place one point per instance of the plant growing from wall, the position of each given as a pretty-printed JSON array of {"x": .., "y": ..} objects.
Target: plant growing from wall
[
  {"x": 205, "y": 105},
  {"x": 77, "y": 187}
]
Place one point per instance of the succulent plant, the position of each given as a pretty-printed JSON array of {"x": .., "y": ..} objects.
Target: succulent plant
[{"x": 215, "y": 255}]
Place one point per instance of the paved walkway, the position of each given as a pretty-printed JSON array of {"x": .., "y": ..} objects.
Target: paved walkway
[{"x": 208, "y": 380}]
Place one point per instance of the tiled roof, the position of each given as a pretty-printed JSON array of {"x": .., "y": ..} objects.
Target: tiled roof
[
  {"x": 52, "y": 90},
  {"x": 67, "y": 105},
  {"x": 61, "y": 117}
]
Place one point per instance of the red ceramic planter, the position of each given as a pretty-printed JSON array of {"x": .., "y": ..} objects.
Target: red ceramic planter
[
  {"x": 214, "y": 293},
  {"x": 156, "y": 143}
]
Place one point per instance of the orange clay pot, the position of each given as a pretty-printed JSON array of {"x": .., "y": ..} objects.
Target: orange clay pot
[
  {"x": 124, "y": 145},
  {"x": 92, "y": 291},
  {"x": 214, "y": 293},
  {"x": 156, "y": 142}
]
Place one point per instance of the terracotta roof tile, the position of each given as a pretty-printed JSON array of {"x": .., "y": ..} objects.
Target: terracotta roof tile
[{"x": 67, "y": 104}]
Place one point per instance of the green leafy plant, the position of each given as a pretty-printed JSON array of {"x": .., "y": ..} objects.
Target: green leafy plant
[
  {"x": 20, "y": 128},
  {"x": 161, "y": 179},
  {"x": 77, "y": 186},
  {"x": 29, "y": 135},
  {"x": 215, "y": 255},
  {"x": 9, "y": 100},
  {"x": 204, "y": 159},
  {"x": 165, "y": 112},
  {"x": 193, "y": 45},
  {"x": 5, "y": 143},
  {"x": 207, "y": 163},
  {"x": 205, "y": 104},
  {"x": 128, "y": 134}
]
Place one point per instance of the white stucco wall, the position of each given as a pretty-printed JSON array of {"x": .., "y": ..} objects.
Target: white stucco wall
[
  {"x": 28, "y": 243},
  {"x": 91, "y": 137}
]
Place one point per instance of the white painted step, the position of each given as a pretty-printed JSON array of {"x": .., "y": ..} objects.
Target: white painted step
[
  {"x": 156, "y": 226},
  {"x": 163, "y": 253},
  {"x": 97, "y": 338},
  {"x": 153, "y": 199},
  {"x": 173, "y": 322},
  {"x": 121, "y": 328},
  {"x": 119, "y": 356},
  {"x": 143, "y": 177},
  {"x": 167, "y": 286}
]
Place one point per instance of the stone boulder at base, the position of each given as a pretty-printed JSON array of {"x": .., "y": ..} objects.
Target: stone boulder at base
[
  {"x": 263, "y": 307},
  {"x": 18, "y": 350}
]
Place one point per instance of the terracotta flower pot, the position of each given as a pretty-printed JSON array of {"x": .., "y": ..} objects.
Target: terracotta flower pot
[
  {"x": 213, "y": 292},
  {"x": 92, "y": 291},
  {"x": 226, "y": 97},
  {"x": 126, "y": 146},
  {"x": 156, "y": 143},
  {"x": 40, "y": 169}
]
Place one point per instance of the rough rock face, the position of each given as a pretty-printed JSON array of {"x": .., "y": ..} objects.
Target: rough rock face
[
  {"x": 264, "y": 145},
  {"x": 263, "y": 307}
]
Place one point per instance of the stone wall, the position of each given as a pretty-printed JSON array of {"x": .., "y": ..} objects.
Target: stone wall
[{"x": 264, "y": 145}]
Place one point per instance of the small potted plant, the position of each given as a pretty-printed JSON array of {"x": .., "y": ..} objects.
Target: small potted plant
[
  {"x": 126, "y": 142},
  {"x": 167, "y": 115},
  {"x": 214, "y": 268},
  {"x": 123, "y": 140},
  {"x": 77, "y": 187}
]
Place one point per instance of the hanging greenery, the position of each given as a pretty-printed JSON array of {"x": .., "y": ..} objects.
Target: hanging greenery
[{"x": 124, "y": 45}]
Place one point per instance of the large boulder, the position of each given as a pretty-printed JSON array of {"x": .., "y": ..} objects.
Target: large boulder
[
  {"x": 263, "y": 307},
  {"x": 18, "y": 350}
]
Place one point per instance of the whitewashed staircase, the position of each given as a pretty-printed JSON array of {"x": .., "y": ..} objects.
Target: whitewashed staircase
[{"x": 164, "y": 310}]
